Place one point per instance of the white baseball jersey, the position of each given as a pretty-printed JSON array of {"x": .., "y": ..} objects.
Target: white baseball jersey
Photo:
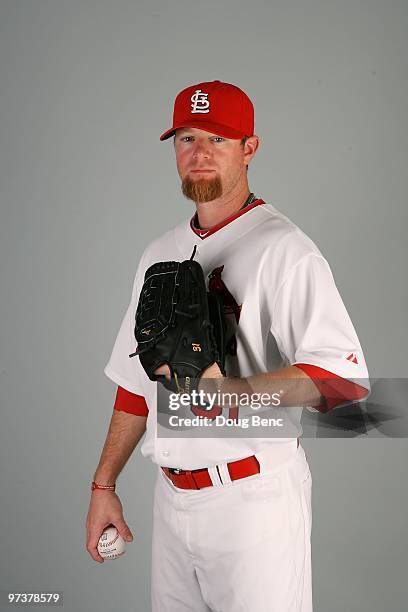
[{"x": 282, "y": 304}]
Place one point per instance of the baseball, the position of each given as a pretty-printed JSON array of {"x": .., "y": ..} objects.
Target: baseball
[{"x": 111, "y": 545}]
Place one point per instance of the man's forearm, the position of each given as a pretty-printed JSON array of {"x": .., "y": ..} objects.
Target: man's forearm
[
  {"x": 293, "y": 385},
  {"x": 125, "y": 431}
]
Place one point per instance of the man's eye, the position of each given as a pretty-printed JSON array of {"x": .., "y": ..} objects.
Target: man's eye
[{"x": 219, "y": 138}]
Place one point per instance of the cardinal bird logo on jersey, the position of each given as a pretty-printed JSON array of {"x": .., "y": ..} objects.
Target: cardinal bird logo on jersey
[
  {"x": 231, "y": 307},
  {"x": 217, "y": 285}
]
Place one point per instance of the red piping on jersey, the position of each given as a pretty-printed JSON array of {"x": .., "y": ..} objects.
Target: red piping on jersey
[
  {"x": 126, "y": 401},
  {"x": 334, "y": 389},
  {"x": 204, "y": 233}
]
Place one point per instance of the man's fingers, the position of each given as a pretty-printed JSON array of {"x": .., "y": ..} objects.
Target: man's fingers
[
  {"x": 124, "y": 531},
  {"x": 92, "y": 544},
  {"x": 213, "y": 371},
  {"x": 94, "y": 535},
  {"x": 163, "y": 370}
]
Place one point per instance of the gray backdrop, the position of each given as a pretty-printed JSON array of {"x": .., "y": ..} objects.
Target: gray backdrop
[{"x": 86, "y": 88}]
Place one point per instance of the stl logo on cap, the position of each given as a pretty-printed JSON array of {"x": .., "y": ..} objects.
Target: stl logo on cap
[{"x": 200, "y": 102}]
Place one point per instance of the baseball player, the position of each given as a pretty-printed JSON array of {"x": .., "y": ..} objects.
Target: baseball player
[{"x": 232, "y": 515}]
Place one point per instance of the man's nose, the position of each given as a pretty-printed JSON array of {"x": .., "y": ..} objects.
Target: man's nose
[{"x": 201, "y": 149}]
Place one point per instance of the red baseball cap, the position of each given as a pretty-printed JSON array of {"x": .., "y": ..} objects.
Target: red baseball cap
[{"x": 216, "y": 107}]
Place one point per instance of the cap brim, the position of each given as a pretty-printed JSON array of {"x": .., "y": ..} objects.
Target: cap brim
[{"x": 207, "y": 126}]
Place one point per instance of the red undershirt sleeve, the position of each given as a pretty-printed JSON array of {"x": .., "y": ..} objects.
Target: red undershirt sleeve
[
  {"x": 334, "y": 389},
  {"x": 126, "y": 401}
]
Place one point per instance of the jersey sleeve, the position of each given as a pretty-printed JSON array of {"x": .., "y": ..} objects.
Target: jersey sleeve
[
  {"x": 126, "y": 371},
  {"x": 315, "y": 332},
  {"x": 334, "y": 390}
]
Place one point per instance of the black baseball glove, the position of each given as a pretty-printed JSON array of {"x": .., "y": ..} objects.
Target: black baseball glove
[{"x": 179, "y": 323}]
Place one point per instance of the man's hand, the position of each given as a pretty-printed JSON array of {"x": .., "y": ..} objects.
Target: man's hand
[
  {"x": 105, "y": 509},
  {"x": 213, "y": 371},
  {"x": 205, "y": 383}
]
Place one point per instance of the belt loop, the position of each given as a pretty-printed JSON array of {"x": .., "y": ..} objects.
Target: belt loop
[
  {"x": 215, "y": 478},
  {"x": 190, "y": 478},
  {"x": 224, "y": 473}
]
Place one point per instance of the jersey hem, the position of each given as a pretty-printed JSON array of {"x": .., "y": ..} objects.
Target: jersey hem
[{"x": 116, "y": 378}]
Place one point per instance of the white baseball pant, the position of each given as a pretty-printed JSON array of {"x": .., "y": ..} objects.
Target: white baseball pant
[{"x": 242, "y": 546}]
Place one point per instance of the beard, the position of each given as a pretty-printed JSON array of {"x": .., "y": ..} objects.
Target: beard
[{"x": 202, "y": 190}]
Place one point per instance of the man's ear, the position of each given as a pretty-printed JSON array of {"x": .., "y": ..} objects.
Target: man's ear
[{"x": 251, "y": 146}]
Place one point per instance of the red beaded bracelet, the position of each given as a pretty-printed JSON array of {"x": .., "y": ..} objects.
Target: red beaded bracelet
[{"x": 95, "y": 485}]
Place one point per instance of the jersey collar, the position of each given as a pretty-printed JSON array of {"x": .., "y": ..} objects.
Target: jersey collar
[{"x": 204, "y": 233}]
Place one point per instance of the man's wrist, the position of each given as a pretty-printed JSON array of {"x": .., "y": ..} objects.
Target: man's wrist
[
  {"x": 100, "y": 486},
  {"x": 105, "y": 477}
]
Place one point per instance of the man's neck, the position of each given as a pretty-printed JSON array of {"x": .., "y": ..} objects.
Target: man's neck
[{"x": 212, "y": 213}]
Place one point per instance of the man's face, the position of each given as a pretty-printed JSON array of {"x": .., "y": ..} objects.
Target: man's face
[{"x": 209, "y": 165}]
